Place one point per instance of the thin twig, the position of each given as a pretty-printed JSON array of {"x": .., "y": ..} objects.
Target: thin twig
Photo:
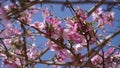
[
  {"x": 42, "y": 53},
  {"x": 78, "y": 2},
  {"x": 95, "y": 7},
  {"x": 6, "y": 50},
  {"x": 24, "y": 40},
  {"x": 101, "y": 45}
]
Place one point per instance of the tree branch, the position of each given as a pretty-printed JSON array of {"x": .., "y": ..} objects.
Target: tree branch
[
  {"x": 95, "y": 7},
  {"x": 6, "y": 50},
  {"x": 101, "y": 45},
  {"x": 24, "y": 40},
  {"x": 78, "y": 2},
  {"x": 42, "y": 53}
]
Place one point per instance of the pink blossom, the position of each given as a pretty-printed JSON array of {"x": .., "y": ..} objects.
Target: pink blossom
[
  {"x": 15, "y": 31},
  {"x": 39, "y": 25},
  {"x": 4, "y": 17},
  {"x": 69, "y": 22},
  {"x": 7, "y": 42},
  {"x": 9, "y": 64},
  {"x": 96, "y": 14},
  {"x": 109, "y": 52},
  {"x": 62, "y": 56},
  {"x": 26, "y": 17},
  {"x": 5, "y": 34},
  {"x": 77, "y": 38},
  {"x": 96, "y": 60},
  {"x": 110, "y": 17},
  {"x": 66, "y": 34},
  {"x": 9, "y": 31},
  {"x": 78, "y": 47},
  {"x": 81, "y": 13},
  {"x": 45, "y": 12},
  {"x": 18, "y": 62},
  {"x": 103, "y": 18},
  {"x": 3, "y": 13},
  {"x": 54, "y": 25},
  {"x": 116, "y": 57},
  {"x": 69, "y": 32},
  {"x": 18, "y": 51},
  {"x": 52, "y": 45},
  {"x": 33, "y": 10},
  {"x": 53, "y": 21},
  {"x": 32, "y": 52},
  {"x": 57, "y": 32}
]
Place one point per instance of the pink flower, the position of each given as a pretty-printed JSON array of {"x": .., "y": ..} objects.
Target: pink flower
[
  {"x": 6, "y": 33},
  {"x": 39, "y": 25},
  {"x": 62, "y": 56},
  {"x": 96, "y": 14},
  {"x": 81, "y": 13},
  {"x": 78, "y": 47},
  {"x": 110, "y": 17},
  {"x": 45, "y": 12},
  {"x": 57, "y": 32},
  {"x": 96, "y": 60},
  {"x": 15, "y": 31},
  {"x": 33, "y": 10},
  {"x": 116, "y": 57},
  {"x": 4, "y": 17},
  {"x": 26, "y": 17},
  {"x": 52, "y": 45},
  {"x": 53, "y": 21},
  {"x": 54, "y": 25},
  {"x": 32, "y": 52},
  {"x": 18, "y": 51},
  {"x": 69, "y": 22},
  {"x": 7, "y": 42},
  {"x": 18, "y": 62},
  {"x": 77, "y": 38},
  {"x": 109, "y": 52},
  {"x": 103, "y": 18},
  {"x": 70, "y": 31},
  {"x": 10, "y": 64},
  {"x": 3, "y": 13}
]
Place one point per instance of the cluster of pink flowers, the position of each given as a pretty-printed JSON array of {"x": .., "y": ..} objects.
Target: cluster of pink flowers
[
  {"x": 103, "y": 57},
  {"x": 103, "y": 18},
  {"x": 67, "y": 38}
]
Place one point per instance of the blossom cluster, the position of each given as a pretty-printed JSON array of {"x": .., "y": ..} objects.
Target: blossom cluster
[{"x": 67, "y": 37}]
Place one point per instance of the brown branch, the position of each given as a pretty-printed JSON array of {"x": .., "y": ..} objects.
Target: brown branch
[
  {"x": 78, "y": 2},
  {"x": 60, "y": 63},
  {"x": 6, "y": 50},
  {"x": 69, "y": 63},
  {"x": 24, "y": 44},
  {"x": 29, "y": 4},
  {"x": 55, "y": 41},
  {"x": 42, "y": 53},
  {"x": 11, "y": 53},
  {"x": 95, "y": 7},
  {"x": 101, "y": 45}
]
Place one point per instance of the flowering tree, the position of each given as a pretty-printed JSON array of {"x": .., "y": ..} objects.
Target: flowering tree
[{"x": 75, "y": 41}]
